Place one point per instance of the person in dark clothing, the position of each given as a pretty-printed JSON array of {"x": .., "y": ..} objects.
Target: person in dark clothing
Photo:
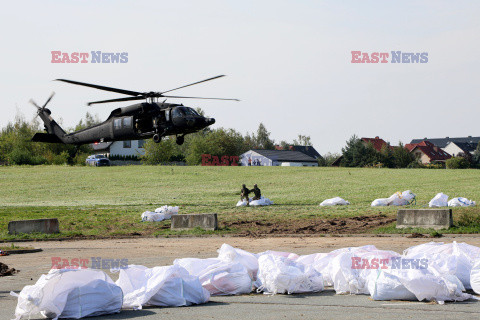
[
  {"x": 244, "y": 194},
  {"x": 256, "y": 192}
]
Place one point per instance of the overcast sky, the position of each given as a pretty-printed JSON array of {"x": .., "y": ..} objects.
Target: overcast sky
[{"x": 288, "y": 61}]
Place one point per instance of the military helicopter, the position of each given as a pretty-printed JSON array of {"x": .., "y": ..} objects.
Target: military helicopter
[{"x": 149, "y": 119}]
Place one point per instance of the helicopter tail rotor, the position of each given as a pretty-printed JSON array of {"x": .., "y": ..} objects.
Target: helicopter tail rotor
[{"x": 43, "y": 108}]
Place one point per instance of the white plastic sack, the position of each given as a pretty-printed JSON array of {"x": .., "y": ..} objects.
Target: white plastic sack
[
  {"x": 262, "y": 202},
  {"x": 217, "y": 276},
  {"x": 337, "y": 201},
  {"x": 385, "y": 285},
  {"x": 396, "y": 199},
  {"x": 277, "y": 274},
  {"x": 440, "y": 200},
  {"x": 229, "y": 254},
  {"x": 427, "y": 286},
  {"x": 170, "y": 286},
  {"x": 475, "y": 277},
  {"x": 351, "y": 270},
  {"x": 70, "y": 293},
  {"x": 160, "y": 214},
  {"x": 447, "y": 259},
  {"x": 461, "y": 202}
]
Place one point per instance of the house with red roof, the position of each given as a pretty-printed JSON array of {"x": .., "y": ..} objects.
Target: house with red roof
[
  {"x": 376, "y": 142},
  {"x": 426, "y": 152}
]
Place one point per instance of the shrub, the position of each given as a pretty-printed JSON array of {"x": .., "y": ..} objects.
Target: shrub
[{"x": 457, "y": 163}]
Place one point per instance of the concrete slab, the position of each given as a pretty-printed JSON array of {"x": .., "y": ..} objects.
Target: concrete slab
[
  {"x": 424, "y": 218},
  {"x": 208, "y": 221},
  {"x": 36, "y": 225}
]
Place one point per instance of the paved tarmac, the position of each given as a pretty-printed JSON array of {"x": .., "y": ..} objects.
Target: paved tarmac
[{"x": 151, "y": 252}]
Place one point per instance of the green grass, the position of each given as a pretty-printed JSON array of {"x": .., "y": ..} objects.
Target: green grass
[{"x": 108, "y": 201}]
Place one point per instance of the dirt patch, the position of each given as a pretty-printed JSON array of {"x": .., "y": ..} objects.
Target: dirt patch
[
  {"x": 416, "y": 235},
  {"x": 311, "y": 226},
  {"x": 6, "y": 271}
]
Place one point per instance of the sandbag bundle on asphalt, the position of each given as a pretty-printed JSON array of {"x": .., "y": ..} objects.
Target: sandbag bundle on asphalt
[
  {"x": 169, "y": 286},
  {"x": 66, "y": 293}
]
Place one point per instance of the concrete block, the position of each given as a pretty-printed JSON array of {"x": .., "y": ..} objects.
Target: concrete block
[
  {"x": 206, "y": 221},
  {"x": 424, "y": 218},
  {"x": 37, "y": 225}
]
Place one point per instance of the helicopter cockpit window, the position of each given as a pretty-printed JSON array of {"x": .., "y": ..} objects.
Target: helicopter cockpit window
[
  {"x": 177, "y": 113},
  {"x": 127, "y": 122},
  {"x": 117, "y": 124},
  {"x": 190, "y": 111}
]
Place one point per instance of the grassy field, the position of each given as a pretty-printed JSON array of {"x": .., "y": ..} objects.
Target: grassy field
[{"x": 108, "y": 201}]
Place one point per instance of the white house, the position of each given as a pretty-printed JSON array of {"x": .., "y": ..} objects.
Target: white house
[
  {"x": 456, "y": 148},
  {"x": 289, "y": 158},
  {"x": 120, "y": 148}
]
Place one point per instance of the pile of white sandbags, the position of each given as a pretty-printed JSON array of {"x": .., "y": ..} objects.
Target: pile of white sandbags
[
  {"x": 160, "y": 214},
  {"x": 441, "y": 200},
  {"x": 427, "y": 272},
  {"x": 337, "y": 201},
  {"x": 396, "y": 199},
  {"x": 261, "y": 202}
]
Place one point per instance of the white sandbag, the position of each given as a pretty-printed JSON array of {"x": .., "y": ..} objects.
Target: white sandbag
[
  {"x": 396, "y": 199},
  {"x": 351, "y": 270},
  {"x": 427, "y": 286},
  {"x": 160, "y": 214},
  {"x": 277, "y": 274},
  {"x": 461, "y": 202},
  {"x": 262, "y": 202},
  {"x": 440, "y": 200},
  {"x": 69, "y": 293},
  {"x": 337, "y": 201},
  {"x": 475, "y": 277},
  {"x": 289, "y": 255},
  {"x": 447, "y": 259},
  {"x": 382, "y": 202},
  {"x": 170, "y": 286},
  {"x": 219, "y": 277},
  {"x": 386, "y": 285},
  {"x": 229, "y": 254}
]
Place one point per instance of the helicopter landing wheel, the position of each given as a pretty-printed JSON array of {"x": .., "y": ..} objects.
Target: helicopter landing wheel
[
  {"x": 157, "y": 138},
  {"x": 180, "y": 140}
]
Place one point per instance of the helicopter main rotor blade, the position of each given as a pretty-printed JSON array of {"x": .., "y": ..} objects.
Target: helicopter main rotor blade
[
  {"x": 122, "y": 91},
  {"x": 191, "y": 84},
  {"x": 117, "y": 100},
  {"x": 198, "y": 98}
]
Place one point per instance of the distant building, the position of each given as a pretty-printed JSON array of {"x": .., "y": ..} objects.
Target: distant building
[
  {"x": 260, "y": 157},
  {"x": 426, "y": 152},
  {"x": 376, "y": 142},
  {"x": 119, "y": 148},
  {"x": 460, "y": 148},
  {"x": 443, "y": 142},
  {"x": 308, "y": 150}
]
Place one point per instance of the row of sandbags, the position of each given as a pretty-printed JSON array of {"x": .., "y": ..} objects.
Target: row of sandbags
[
  {"x": 428, "y": 272},
  {"x": 405, "y": 198},
  {"x": 441, "y": 200}
]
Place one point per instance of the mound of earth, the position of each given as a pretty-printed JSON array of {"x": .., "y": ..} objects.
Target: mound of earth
[
  {"x": 6, "y": 271},
  {"x": 312, "y": 226}
]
